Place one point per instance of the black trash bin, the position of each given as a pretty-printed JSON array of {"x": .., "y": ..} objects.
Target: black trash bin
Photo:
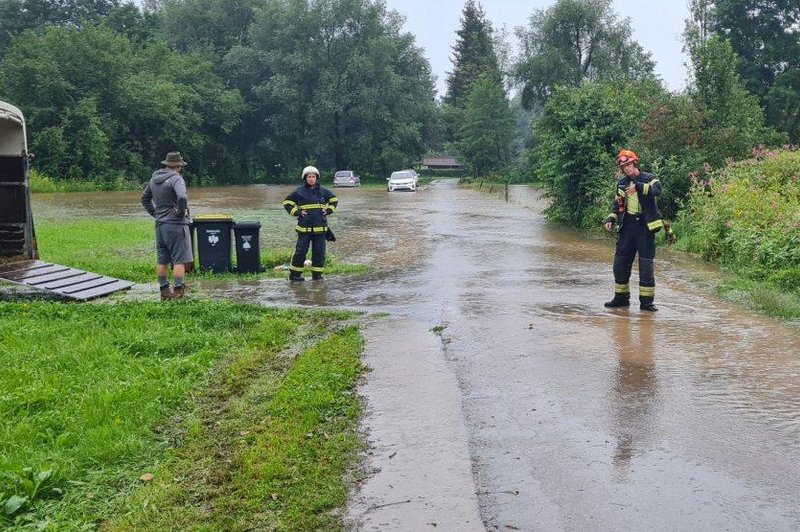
[
  {"x": 248, "y": 254},
  {"x": 213, "y": 233}
]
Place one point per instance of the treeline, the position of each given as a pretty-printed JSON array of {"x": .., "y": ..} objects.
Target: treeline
[{"x": 250, "y": 90}]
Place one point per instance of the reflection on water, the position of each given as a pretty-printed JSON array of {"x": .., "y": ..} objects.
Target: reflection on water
[{"x": 634, "y": 391}]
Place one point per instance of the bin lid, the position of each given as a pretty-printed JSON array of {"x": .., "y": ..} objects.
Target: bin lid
[
  {"x": 213, "y": 218},
  {"x": 247, "y": 225}
]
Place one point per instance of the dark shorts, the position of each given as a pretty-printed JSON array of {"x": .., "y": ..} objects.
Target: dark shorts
[{"x": 173, "y": 244}]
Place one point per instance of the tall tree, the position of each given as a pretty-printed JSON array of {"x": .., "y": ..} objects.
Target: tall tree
[
  {"x": 17, "y": 16},
  {"x": 217, "y": 25},
  {"x": 487, "y": 129},
  {"x": 473, "y": 54},
  {"x": 765, "y": 34},
  {"x": 331, "y": 81},
  {"x": 574, "y": 41}
]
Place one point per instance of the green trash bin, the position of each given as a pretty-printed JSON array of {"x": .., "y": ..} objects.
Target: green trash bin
[{"x": 213, "y": 233}]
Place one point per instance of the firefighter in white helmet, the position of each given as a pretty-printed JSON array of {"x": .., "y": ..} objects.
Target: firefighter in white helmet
[{"x": 311, "y": 204}]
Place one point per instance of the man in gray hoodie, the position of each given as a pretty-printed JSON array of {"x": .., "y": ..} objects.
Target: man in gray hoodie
[{"x": 165, "y": 198}]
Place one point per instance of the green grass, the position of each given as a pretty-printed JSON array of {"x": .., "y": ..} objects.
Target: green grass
[
  {"x": 45, "y": 184},
  {"x": 126, "y": 249},
  {"x": 272, "y": 458},
  {"x": 119, "y": 248},
  {"x": 202, "y": 394},
  {"x": 762, "y": 296}
]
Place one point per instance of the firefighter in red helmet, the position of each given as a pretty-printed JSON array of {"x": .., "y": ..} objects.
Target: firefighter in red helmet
[{"x": 635, "y": 213}]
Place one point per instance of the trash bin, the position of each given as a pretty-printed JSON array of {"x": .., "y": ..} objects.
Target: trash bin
[
  {"x": 248, "y": 255},
  {"x": 214, "y": 241}
]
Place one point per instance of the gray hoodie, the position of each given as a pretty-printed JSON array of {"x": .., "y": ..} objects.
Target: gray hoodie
[{"x": 165, "y": 198}]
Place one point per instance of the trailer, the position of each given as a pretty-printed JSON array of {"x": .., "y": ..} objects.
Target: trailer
[{"x": 19, "y": 255}]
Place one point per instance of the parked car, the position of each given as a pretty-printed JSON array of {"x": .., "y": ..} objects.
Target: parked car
[
  {"x": 346, "y": 178},
  {"x": 403, "y": 180}
]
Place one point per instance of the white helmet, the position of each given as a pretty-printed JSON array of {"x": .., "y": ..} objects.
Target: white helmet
[{"x": 310, "y": 170}]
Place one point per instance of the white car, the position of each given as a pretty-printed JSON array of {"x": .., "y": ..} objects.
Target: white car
[{"x": 403, "y": 180}]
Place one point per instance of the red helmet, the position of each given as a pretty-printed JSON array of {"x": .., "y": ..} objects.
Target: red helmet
[{"x": 627, "y": 156}]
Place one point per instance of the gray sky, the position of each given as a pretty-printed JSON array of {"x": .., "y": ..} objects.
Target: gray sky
[{"x": 656, "y": 24}]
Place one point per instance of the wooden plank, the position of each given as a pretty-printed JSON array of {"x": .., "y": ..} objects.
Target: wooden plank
[
  {"x": 101, "y": 290},
  {"x": 20, "y": 265},
  {"x": 42, "y": 279},
  {"x": 86, "y": 285},
  {"x": 21, "y": 275},
  {"x": 71, "y": 281},
  {"x": 67, "y": 282}
]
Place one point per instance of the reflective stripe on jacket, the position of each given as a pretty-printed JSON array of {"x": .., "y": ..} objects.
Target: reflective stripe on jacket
[
  {"x": 648, "y": 188},
  {"x": 317, "y": 202}
]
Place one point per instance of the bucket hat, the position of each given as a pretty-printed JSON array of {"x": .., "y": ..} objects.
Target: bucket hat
[{"x": 174, "y": 159}]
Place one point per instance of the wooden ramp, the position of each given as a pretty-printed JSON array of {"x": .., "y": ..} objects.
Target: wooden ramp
[{"x": 67, "y": 282}]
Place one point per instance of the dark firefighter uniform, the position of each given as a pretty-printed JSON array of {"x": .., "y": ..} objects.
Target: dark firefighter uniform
[
  {"x": 638, "y": 219},
  {"x": 312, "y": 228}
]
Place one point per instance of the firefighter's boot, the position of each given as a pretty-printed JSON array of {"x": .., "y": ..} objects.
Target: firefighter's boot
[
  {"x": 316, "y": 276},
  {"x": 295, "y": 277},
  {"x": 620, "y": 300},
  {"x": 646, "y": 303}
]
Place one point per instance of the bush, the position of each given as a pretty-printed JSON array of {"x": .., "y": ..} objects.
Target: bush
[{"x": 747, "y": 216}]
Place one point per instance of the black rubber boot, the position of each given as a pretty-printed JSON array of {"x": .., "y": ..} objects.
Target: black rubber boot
[
  {"x": 316, "y": 276},
  {"x": 619, "y": 301},
  {"x": 646, "y": 303},
  {"x": 296, "y": 277}
]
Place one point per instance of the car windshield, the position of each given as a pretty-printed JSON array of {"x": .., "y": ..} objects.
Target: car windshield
[
  {"x": 401, "y": 175},
  {"x": 343, "y": 173}
]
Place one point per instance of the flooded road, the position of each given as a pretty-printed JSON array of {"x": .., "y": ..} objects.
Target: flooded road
[{"x": 576, "y": 416}]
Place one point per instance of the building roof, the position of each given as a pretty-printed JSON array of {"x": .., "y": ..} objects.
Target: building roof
[{"x": 445, "y": 160}]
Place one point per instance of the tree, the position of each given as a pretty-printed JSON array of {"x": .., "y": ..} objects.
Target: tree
[
  {"x": 334, "y": 82},
  {"x": 487, "y": 130},
  {"x": 575, "y": 41},
  {"x": 579, "y": 134},
  {"x": 16, "y": 16},
  {"x": 764, "y": 35},
  {"x": 217, "y": 25},
  {"x": 473, "y": 55},
  {"x": 96, "y": 94}
]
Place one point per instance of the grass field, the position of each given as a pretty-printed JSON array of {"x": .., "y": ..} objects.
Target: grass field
[
  {"x": 126, "y": 249},
  {"x": 244, "y": 416}
]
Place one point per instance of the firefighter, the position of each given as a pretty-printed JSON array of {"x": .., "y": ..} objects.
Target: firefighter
[
  {"x": 635, "y": 212},
  {"x": 311, "y": 204}
]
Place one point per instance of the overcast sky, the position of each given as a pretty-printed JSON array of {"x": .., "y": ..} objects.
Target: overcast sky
[{"x": 656, "y": 24}]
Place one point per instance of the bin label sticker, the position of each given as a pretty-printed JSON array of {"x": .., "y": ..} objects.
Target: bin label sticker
[
  {"x": 213, "y": 236},
  {"x": 246, "y": 242}
]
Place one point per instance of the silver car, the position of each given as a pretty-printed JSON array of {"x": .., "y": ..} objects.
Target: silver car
[
  {"x": 346, "y": 178},
  {"x": 403, "y": 180}
]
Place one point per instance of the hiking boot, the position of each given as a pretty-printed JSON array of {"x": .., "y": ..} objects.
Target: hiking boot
[
  {"x": 618, "y": 301},
  {"x": 179, "y": 292},
  {"x": 649, "y": 307},
  {"x": 166, "y": 293}
]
